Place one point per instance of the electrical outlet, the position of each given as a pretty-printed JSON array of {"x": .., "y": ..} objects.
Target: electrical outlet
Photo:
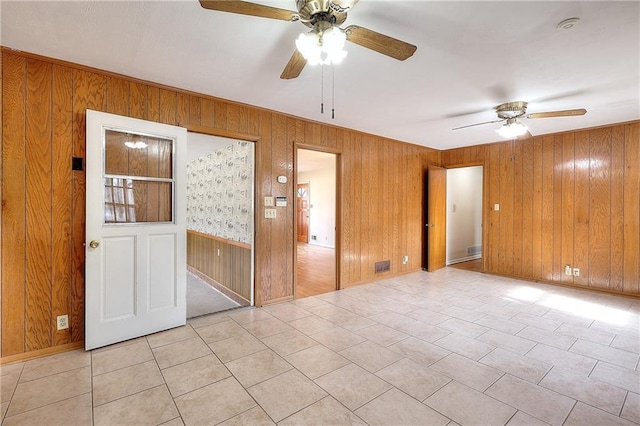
[
  {"x": 63, "y": 322},
  {"x": 568, "y": 270},
  {"x": 576, "y": 272}
]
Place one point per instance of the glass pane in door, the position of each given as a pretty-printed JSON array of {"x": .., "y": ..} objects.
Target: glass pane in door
[{"x": 138, "y": 178}]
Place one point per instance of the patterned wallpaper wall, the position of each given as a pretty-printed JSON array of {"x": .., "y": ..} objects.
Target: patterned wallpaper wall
[{"x": 220, "y": 193}]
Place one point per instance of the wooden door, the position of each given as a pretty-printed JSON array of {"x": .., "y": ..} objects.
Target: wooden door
[
  {"x": 436, "y": 218},
  {"x": 135, "y": 227},
  {"x": 302, "y": 211}
]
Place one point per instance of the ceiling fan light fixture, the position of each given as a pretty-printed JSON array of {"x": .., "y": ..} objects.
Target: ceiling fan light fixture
[
  {"x": 512, "y": 129},
  {"x": 322, "y": 47}
]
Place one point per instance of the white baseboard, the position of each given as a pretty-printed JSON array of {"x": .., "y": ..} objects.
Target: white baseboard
[{"x": 464, "y": 259}]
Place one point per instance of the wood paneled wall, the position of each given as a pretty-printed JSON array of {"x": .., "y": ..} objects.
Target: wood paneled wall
[
  {"x": 565, "y": 199},
  {"x": 226, "y": 262},
  {"x": 43, "y": 215}
]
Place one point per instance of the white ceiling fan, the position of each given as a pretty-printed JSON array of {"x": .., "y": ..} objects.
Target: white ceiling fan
[
  {"x": 511, "y": 112},
  {"x": 324, "y": 43}
]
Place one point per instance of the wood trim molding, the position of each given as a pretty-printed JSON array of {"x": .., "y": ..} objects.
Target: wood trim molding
[
  {"x": 196, "y": 128},
  {"x": 222, "y": 240},
  {"x": 41, "y": 352}
]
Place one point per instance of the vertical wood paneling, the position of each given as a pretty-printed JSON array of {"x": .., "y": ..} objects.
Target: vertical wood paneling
[
  {"x": 279, "y": 232},
  {"x": 1, "y": 197},
  {"x": 494, "y": 216},
  {"x": 517, "y": 207},
  {"x": 208, "y": 111},
  {"x": 632, "y": 209},
  {"x": 194, "y": 110},
  {"x": 557, "y": 269},
  {"x": 578, "y": 193},
  {"x": 153, "y": 103},
  {"x": 13, "y": 203},
  {"x": 182, "y": 110},
  {"x": 117, "y": 96},
  {"x": 168, "y": 106},
  {"x": 219, "y": 116},
  {"x": 89, "y": 92},
  {"x": 567, "y": 202},
  {"x": 263, "y": 239},
  {"x": 527, "y": 208},
  {"x": 62, "y": 145},
  {"x": 290, "y": 249},
  {"x": 506, "y": 203},
  {"x": 538, "y": 168},
  {"x": 382, "y": 198},
  {"x": 617, "y": 208},
  {"x": 138, "y": 100},
  {"x": 600, "y": 207},
  {"x": 546, "y": 236},
  {"x": 581, "y": 212},
  {"x": 38, "y": 206},
  {"x": 233, "y": 117}
]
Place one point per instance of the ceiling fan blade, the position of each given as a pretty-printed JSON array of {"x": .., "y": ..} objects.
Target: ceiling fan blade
[
  {"x": 252, "y": 9},
  {"x": 380, "y": 43},
  {"x": 294, "y": 67},
  {"x": 565, "y": 113},
  {"x": 479, "y": 124}
]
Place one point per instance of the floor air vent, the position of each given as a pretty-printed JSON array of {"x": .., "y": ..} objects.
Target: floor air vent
[{"x": 383, "y": 266}]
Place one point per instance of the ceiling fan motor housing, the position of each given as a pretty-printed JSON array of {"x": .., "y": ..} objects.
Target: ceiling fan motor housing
[
  {"x": 511, "y": 110},
  {"x": 313, "y": 11}
]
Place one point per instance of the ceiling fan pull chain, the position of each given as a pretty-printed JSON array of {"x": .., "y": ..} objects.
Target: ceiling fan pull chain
[
  {"x": 333, "y": 92},
  {"x": 322, "y": 89}
]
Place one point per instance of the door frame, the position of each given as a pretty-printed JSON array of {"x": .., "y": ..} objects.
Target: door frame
[
  {"x": 256, "y": 297},
  {"x": 338, "y": 213},
  {"x": 295, "y": 193},
  {"x": 485, "y": 213},
  {"x": 482, "y": 201}
]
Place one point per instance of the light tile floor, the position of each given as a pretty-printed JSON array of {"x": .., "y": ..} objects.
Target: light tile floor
[{"x": 451, "y": 347}]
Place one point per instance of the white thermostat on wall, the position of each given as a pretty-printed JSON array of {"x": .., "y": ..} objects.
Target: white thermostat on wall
[{"x": 282, "y": 179}]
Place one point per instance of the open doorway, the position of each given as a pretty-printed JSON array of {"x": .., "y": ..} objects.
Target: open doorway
[
  {"x": 220, "y": 223},
  {"x": 315, "y": 223},
  {"x": 464, "y": 218}
]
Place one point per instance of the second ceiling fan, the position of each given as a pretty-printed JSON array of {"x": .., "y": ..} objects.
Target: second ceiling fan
[
  {"x": 323, "y": 44},
  {"x": 510, "y": 112}
]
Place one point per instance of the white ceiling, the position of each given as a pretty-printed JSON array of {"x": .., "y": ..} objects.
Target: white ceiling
[
  {"x": 199, "y": 145},
  {"x": 471, "y": 57},
  {"x": 309, "y": 161}
]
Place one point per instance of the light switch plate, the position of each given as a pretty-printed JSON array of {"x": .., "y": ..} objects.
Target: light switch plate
[
  {"x": 269, "y": 213},
  {"x": 496, "y": 207},
  {"x": 268, "y": 201}
]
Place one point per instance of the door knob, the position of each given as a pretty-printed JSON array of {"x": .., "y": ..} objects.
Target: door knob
[{"x": 94, "y": 243}]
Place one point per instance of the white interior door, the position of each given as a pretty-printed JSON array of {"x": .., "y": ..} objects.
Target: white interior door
[{"x": 135, "y": 269}]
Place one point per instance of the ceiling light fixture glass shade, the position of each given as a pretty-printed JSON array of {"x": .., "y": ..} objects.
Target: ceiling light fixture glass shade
[
  {"x": 323, "y": 47},
  {"x": 512, "y": 129}
]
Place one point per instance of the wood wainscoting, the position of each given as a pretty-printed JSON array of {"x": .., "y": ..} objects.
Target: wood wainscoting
[{"x": 224, "y": 261}]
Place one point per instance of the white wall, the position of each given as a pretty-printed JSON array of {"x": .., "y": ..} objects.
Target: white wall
[
  {"x": 464, "y": 212},
  {"x": 322, "y": 200}
]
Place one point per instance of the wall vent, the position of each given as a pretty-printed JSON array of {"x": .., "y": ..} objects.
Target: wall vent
[
  {"x": 383, "y": 266},
  {"x": 473, "y": 250}
]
